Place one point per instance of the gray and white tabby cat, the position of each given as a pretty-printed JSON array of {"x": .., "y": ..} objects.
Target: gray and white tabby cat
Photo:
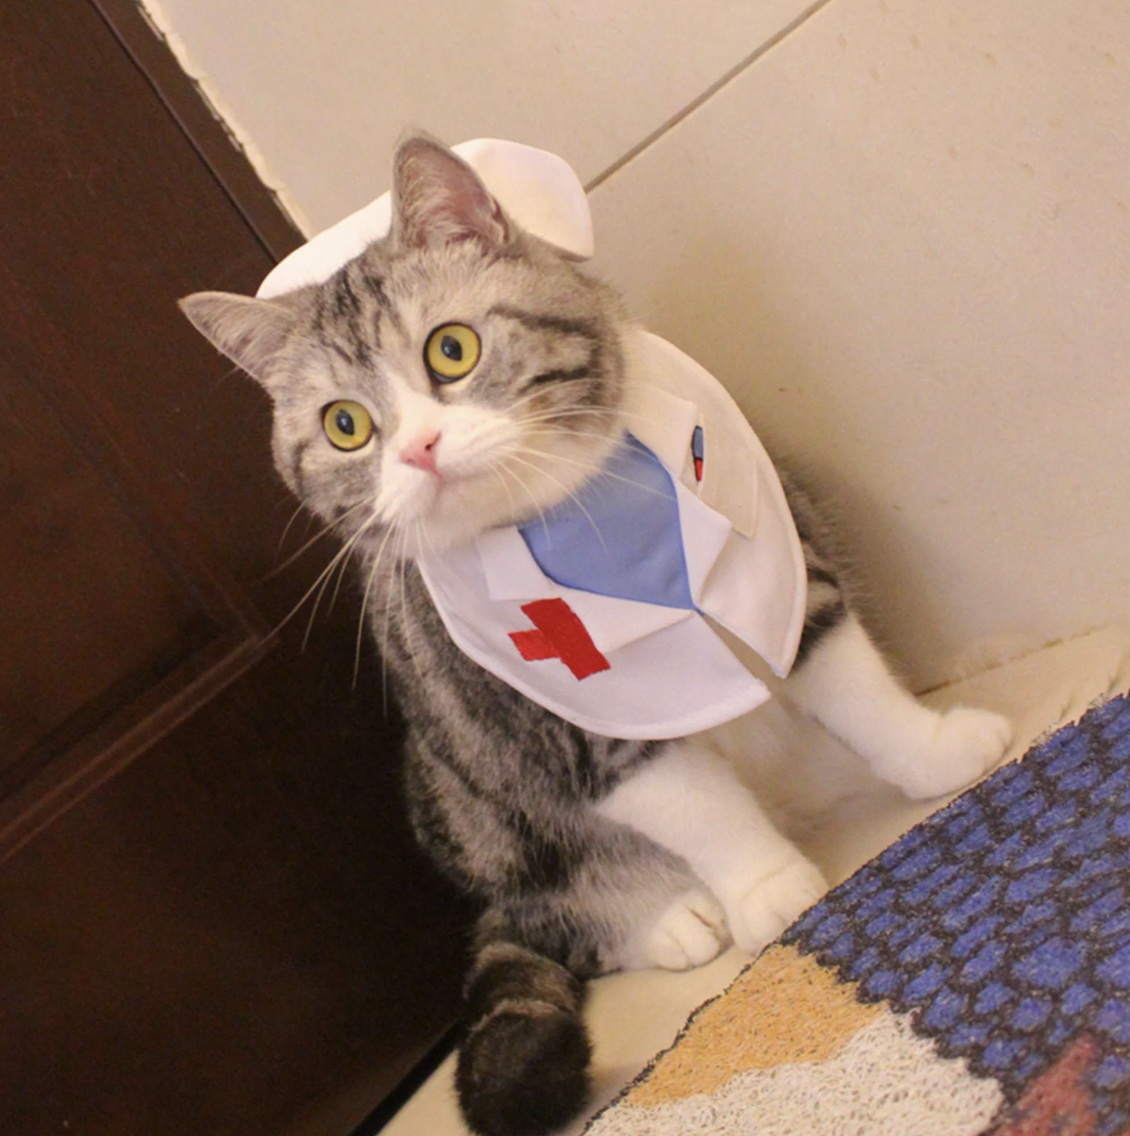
[{"x": 589, "y": 854}]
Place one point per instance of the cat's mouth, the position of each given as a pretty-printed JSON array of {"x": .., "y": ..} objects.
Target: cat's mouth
[{"x": 430, "y": 511}]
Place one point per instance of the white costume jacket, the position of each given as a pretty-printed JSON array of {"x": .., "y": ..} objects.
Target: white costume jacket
[{"x": 618, "y": 667}]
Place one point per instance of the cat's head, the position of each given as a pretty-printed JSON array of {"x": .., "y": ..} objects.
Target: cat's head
[{"x": 459, "y": 375}]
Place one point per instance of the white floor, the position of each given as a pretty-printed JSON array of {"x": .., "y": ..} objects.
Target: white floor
[{"x": 634, "y": 1016}]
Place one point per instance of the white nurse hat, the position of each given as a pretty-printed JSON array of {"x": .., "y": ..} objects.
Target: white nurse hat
[{"x": 539, "y": 190}]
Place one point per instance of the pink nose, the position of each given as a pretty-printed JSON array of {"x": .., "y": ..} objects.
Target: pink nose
[{"x": 421, "y": 452}]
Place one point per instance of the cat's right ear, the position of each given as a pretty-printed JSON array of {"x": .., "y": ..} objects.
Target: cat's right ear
[
  {"x": 250, "y": 332},
  {"x": 438, "y": 199}
]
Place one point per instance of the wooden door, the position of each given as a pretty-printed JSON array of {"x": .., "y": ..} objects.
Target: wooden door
[{"x": 212, "y": 918}]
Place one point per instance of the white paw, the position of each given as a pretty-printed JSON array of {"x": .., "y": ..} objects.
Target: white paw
[
  {"x": 966, "y": 745},
  {"x": 762, "y": 911},
  {"x": 689, "y": 933}
]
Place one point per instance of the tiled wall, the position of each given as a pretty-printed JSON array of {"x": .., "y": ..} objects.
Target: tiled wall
[{"x": 899, "y": 230}]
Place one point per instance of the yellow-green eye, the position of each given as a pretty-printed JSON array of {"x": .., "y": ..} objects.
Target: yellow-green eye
[
  {"x": 347, "y": 424},
  {"x": 451, "y": 352}
]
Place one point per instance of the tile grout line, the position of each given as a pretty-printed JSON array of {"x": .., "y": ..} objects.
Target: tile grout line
[{"x": 706, "y": 95}]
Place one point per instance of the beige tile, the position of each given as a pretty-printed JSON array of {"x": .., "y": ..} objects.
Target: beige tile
[
  {"x": 324, "y": 90},
  {"x": 903, "y": 238}
]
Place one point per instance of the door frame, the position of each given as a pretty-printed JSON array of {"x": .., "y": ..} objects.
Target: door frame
[{"x": 201, "y": 124}]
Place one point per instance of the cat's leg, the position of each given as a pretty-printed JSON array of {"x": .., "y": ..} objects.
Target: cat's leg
[
  {"x": 688, "y": 800},
  {"x": 844, "y": 683}
]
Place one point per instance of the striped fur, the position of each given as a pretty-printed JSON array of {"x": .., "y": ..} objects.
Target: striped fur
[
  {"x": 516, "y": 805},
  {"x": 826, "y": 605},
  {"x": 523, "y": 1064}
]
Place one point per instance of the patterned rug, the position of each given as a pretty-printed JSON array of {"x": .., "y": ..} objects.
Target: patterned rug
[{"x": 973, "y": 978}]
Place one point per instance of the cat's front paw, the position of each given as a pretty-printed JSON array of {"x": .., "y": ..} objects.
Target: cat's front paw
[
  {"x": 966, "y": 745},
  {"x": 689, "y": 933},
  {"x": 762, "y": 911}
]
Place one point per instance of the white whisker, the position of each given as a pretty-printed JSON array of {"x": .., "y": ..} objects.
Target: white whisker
[
  {"x": 361, "y": 618},
  {"x": 598, "y": 472},
  {"x": 541, "y": 393},
  {"x": 422, "y": 526},
  {"x": 562, "y": 415},
  {"x": 557, "y": 413},
  {"x": 341, "y": 562},
  {"x": 502, "y": 466},
  {"x": 313, "y": 540},
  {"x": 338, "y": 557},
  {"x": 286, "y": 531},
  {"x": 539, "y": 511},
  {"x": 570, "y": 434},
  {"x": 506, "y": 489},
  {"x": 569, "y": 493},
  {"x": 404, "y": 600}
]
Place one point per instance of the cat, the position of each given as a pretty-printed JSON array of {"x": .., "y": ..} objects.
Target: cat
[{"x": 458, "y": 376}]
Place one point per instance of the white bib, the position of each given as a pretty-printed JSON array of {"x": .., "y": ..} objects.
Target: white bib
[{"x": 629, "y": 669}]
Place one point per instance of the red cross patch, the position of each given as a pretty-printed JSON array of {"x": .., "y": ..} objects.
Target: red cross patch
[{"x": 559, "y": 634}]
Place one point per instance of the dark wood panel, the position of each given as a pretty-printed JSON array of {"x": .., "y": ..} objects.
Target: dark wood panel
[
  {"x": 88, "y": 612},
  {"x": 255, "y": 203},
  {"x": 208, "y": 943},
  {"x": 145, "y": 530},
  {"x": 108, "y": 216}
]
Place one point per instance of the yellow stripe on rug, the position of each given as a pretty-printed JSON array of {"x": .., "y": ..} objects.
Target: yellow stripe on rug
[
  {"x": 788, "y": 1051},
  {"x": 783, "y": 1010}
]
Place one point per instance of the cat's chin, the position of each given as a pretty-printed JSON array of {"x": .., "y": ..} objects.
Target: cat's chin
[
  {"x": 442, "y": 528},
  {"x": 443, "y": 516}
]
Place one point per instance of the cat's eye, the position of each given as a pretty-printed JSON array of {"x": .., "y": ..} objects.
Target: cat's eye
[
  {"x": 452, "y": 352},
  {"x": 347, "y": 424}
]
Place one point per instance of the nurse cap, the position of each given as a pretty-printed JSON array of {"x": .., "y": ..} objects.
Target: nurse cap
[{"x": 539, "y": 190}]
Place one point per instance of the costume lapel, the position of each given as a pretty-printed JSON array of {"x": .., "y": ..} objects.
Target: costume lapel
[
  {"x": 756, "y": 586},
  {"x": 661, "y": 420},
  {"x": 512, "y": 574}
]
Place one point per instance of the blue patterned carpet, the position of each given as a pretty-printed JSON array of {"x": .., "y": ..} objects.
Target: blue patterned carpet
[{"x": 1002, "y": 926}]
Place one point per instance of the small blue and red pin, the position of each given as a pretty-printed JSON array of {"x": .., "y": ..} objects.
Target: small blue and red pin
[{"x": 696, "y": 452}]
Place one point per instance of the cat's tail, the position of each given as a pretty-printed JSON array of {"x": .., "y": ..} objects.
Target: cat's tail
[{"x": 523, "y": 1065}]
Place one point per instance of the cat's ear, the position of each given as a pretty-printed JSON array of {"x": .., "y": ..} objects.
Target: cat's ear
[
  {"x": 251, "y": 332},
  {"x": 439, "y": 200}
]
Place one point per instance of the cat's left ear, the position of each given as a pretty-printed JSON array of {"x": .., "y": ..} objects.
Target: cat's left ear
[
  {"x": 439, "y": 200},
  {"x": 251, "y": 332}
]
